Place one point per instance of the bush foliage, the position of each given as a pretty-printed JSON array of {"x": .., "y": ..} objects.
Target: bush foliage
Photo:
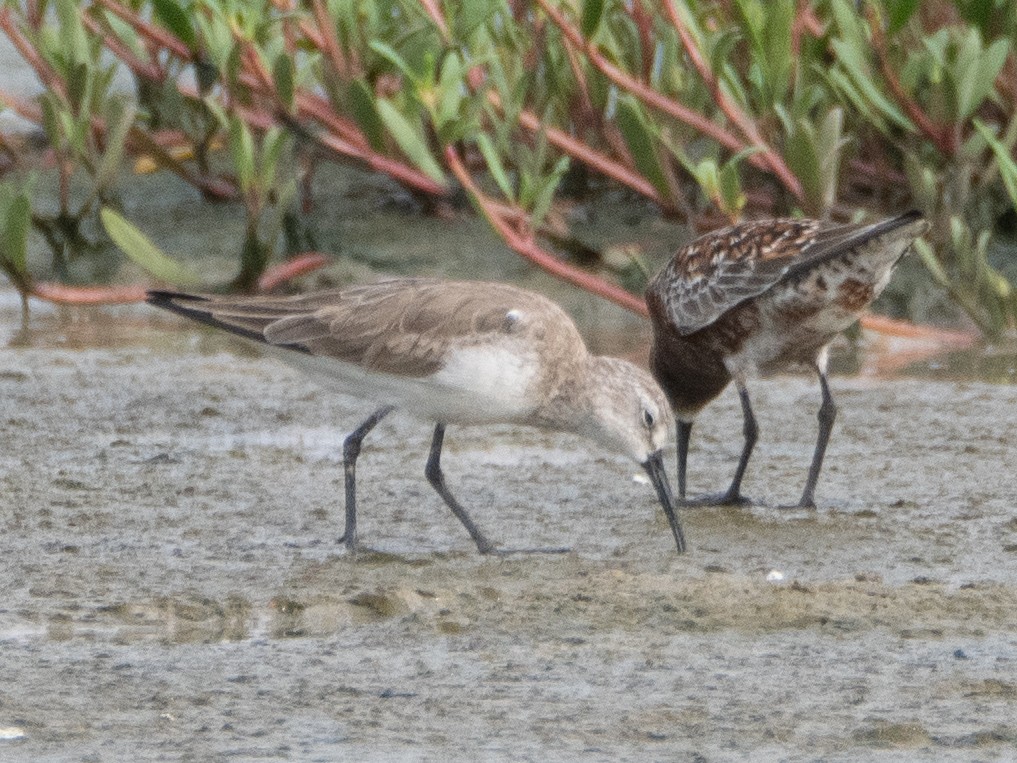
[{"x": 712, "y": 110}]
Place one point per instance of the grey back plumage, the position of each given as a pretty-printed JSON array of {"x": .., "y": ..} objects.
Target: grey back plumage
[{"x": 401, "y": 326}]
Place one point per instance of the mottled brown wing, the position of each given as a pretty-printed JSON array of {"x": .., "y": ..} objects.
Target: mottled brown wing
[
  {"x": 401, "y": 326},
  {"x": 720, "y": 270}
]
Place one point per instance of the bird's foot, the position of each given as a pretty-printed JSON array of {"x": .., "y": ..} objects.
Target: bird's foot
[
  {"x": 805, "y": 504},
  {"x": 719, "y": 499},
  {"x": 351, "y": 543},
  {"x": 509, "y": 551}
]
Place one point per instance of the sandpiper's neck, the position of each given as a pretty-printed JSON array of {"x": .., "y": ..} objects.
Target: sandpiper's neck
[
  {"x": 572, "y": 397},
  {"x": 689, "y": 374}
]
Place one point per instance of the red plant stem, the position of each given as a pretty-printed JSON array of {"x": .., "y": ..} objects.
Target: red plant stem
[
  {"x": 27, "y": 109},
  {"x": 350, "y": 140},
  {"x": 730, "y": 109},
  {"x": 879, "y": 172},
  {"x": 35, "y": 14},
  {"x": 327, "y": 42},
  {"x": 157, "y": 35},
  {"x": 346, "y": 138},
  {"x": 610, "y": 132},
  {"x": 405, "y": 174},
  {"x": 294, "y": 267},
  {"x": 805, "y": 22},
  {"x": 584, "y": 153},
  {"x": 433, "y": 10},
  {"x": 87, "y": 295},
  {"x": 526, "y": 246},
  {"x": 644, "y": 25},
  {"x": 138, "y": 141},
  {"x": 27, "y": 50},
  {"x": 944, "y": 137},
  {"x": 146, "y": 69},
  {"x": 319, "y": 109},
  {"x": 63, "y": 294},
  {"x": 313, "y": 35},
  {"x": 651, "y": 97}
]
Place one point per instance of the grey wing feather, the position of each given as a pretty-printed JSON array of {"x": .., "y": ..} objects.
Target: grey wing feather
[
  {"x": 402, "y": 326},
  {"x": 296, "y": 329}
]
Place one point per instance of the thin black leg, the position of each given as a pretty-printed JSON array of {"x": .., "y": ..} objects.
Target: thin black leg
[
  {"x": 827, "y": 415},
  {"x": 351, "y": 449},
  {"x": 437, "y": 480},
  {"x": 751, "y": 432},
  {"x": 684, "y": 431}
]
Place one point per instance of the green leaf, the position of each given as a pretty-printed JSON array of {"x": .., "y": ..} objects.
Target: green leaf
[
  {"x": 899, "y": 12},
  {"x": 391, "y": 55},
  {"x": 778, "y": 36},
  {"x": 450, "y": 91},
  {"x": 73, "y": 39},
  {"x": 473, "y": 14},
  {"x": 273, "y": 143},
  {"x": 931, "y": 262},
  {"x": 494, "y": 165},
  {"x": 77, "y": 85},
  {"x": 979, "y": 74},
  {"x": 977, "y": 12},
  {"x": 363, "y": 111},
  {"x": 849, "y": 22},
  {"x": 409, "y": 140},
  {"x": 545, "y": 195},
  {"x": 282, "y": 73},
  {"x": 707, "y": 174},
  {"x": 139, "y": 248},
  {"x": 851, "y": 61},
  {"x": 14, "y": 233},
  {"x": 176, "y": 20},
  {"x": 730, "y": 189},
  {"x": 1007, "y": 165},
  {"x": 116, "y": 142},
  {"x": 593, "y": 10},
  {"x": 641, "y": 143},
  {"x": 242, "y": 148},
  {"x": 753, "y": 19}
]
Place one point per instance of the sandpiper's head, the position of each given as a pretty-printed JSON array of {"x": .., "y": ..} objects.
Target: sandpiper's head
[{"x": 630, "y": 414}]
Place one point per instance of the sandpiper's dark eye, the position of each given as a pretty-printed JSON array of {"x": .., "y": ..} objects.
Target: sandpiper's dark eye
[{"x": 648, "y": 419}]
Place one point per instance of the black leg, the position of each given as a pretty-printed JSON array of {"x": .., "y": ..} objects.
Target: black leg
[
  {"x": 437, "y": 480},
  {"x": 827, "y": 415},
  {"x": 351, "y": 449},
  {"x": 684, "y": 430},
  {"x": 751, "y": 432}
]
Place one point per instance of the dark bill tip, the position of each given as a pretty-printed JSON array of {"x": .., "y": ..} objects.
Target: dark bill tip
[{"x": 654, "y": 467}]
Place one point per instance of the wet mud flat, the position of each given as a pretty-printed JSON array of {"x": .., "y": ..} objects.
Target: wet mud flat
[{"x": 173, "y": 588}]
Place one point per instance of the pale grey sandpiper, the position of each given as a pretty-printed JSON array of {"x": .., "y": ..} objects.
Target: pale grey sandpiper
[{"x": 454, "y": 352}]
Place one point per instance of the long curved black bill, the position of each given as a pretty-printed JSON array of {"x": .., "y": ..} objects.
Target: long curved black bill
[{"x": 654, "y": 467}]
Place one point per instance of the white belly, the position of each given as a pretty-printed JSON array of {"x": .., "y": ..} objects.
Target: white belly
[{"x": 477, "y": 385}]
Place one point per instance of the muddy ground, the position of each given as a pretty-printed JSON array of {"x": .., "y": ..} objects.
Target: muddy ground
[{"x": 173, "y": 588}]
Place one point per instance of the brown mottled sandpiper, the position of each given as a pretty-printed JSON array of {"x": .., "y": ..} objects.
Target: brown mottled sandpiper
[{"x": 758, "y": 298}]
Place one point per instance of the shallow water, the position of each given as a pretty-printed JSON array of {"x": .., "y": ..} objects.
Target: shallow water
[{"x": 175, "y": 590}]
